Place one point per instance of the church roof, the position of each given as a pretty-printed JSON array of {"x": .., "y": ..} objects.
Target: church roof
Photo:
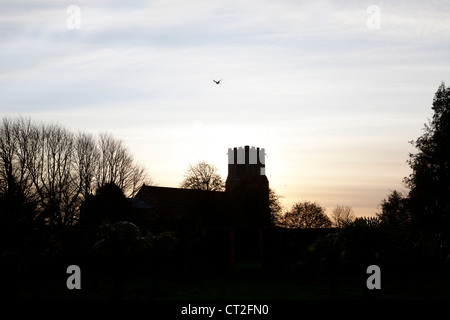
[{"x": 154, "y": 197}]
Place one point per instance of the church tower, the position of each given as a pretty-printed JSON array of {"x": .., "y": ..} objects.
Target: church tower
[{"x": 248, "y": 186}]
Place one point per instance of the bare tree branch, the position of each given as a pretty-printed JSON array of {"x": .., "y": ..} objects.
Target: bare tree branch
[
  {"x": 342, "y": 216},
  {"x": 202, "y": 176}
]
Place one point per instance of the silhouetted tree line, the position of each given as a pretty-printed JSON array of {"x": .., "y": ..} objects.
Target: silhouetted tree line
[
  {"x": 51, "y": 177},
  {"x": 47, "y": 171},
  {"x": 410, "y": 232},
  {"x": 412, "y": 229}
]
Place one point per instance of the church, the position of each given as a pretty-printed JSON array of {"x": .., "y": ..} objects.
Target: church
[{"x": 244, "y": 203}]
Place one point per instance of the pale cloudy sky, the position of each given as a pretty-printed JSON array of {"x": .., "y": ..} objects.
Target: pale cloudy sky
[{"x": 333, "y": 99}]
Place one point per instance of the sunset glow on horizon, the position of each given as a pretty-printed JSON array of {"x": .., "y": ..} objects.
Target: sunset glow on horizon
[{"x": 331, "y": 99}]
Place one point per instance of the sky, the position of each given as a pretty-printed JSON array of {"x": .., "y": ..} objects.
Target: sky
[{"x": 333, "y": 90}]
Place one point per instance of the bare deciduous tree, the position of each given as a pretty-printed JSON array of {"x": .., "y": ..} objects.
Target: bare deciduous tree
[
  {"x": 203, "y": 176},
  {"x": 118, "y": 166},
  {"x": 342, "y": 216},
  {"x": 14, "y": 139},
  {"x": 86, "y": 162},
  {"x": 56, "y": 170},
  {"x": 53, "y": 175},
  {"x": 276, "y": 209},
  {"x": 8, "y": 146}
]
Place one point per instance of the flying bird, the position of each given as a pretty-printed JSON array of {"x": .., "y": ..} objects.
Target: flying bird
[{"x": 217, "y": 82}]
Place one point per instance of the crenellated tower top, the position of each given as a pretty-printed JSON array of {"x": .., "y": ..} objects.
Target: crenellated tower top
[{"x": 248, "y": 185}]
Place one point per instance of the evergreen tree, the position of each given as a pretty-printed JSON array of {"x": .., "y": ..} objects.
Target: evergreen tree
[
  {"x": 430, "y": 180},
  {"x": 109, "y": 203},
  {"x": 394, "y": 210}
]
